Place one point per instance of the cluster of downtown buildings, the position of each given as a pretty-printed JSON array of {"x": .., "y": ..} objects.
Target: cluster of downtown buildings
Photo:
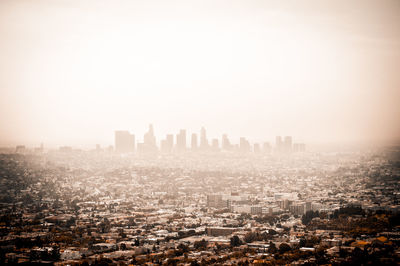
[{"x": 125, "y": 143}]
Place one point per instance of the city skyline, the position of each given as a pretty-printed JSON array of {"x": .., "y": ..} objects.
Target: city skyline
[{"x": 125, "y": 142}]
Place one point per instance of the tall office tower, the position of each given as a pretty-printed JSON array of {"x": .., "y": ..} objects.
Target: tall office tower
[
  {"x": 167, "y": 144},
  {"x": 244, "y": 145},
  {"x": 163, "y": 146},
  {"x": 302, "y": 147},
  {"x": 299, "y": 147},
  {"x": 170, "y": 142},
  {"x": 278, "y": 144},
  {"x": 256, "y": 148},
  {"x": 215, "y": 145},
  {"x": 266, "y": 147},
  {"x": 181, "y": 141},
  {"x": 295, "y": 147},
  {"x": 226, "y": 144},
  {"x": 124, "y": 141},
  {"x": 149, "y": 140},
  {"x": 288, "y": 144},
  {"x": 194, "y": 142},
  {"x": 203, "y": 139}
]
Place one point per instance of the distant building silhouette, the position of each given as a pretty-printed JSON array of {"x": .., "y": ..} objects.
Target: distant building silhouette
[
  {"x": 215, "y": 145},
  {"x": 278, "y": 144},
  {"x": 256, "y": 148},
  {"x": 299, "y": 147},
  {"x": 65, "y": 149},
  {"x": 288, "y": 144},
  {"x": 167, "y": 144},
  {"x": 149, "y": 141},
  {"x": 267, "y": 147},
  {"x": 203, "y": 139},
  {"x": 244, "y": 145},
  {"x": 194, "y": 145},
  {"x": 181, "y": 141},
  {"x": 285, "y": 146},
  {"x": 226, "y": 144},
  {"x": 124, "y": 141}
]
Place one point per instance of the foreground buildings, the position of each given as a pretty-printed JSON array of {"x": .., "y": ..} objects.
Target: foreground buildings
[{"x": 74, "y": 207}]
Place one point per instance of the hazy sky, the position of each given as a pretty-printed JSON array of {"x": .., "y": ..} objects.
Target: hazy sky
[{"x": 72, "y": 72}]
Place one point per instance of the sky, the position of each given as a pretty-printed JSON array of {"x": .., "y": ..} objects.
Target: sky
[{"x": 72, "y": 72}]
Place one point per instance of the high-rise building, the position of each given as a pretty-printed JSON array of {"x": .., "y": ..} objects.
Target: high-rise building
[
  {"x": 167, "y": 144},
  {"x": 124, "y": 141},
  {"x": 266, "y": 147},
  {"x": 170, "y": 142},
  {"x": 181, "y": 141},
  {"x": 163, "y": 146},
  {"x": 194, "y": 145},
  {"x": 98, "y": 147},
  {"x": 299, "y": 147},
  {"x": 149, "y": 140},
  {"x": 256, "y": 148},
  {"x": 244, "y": 145},
  {"x": 278, "y": 144},
  {"x": 215, "y": 145},
  {"x": 288, "y": 144},
  {"x": 226, "y": 144},
  {"x": 203, "y": 139}
]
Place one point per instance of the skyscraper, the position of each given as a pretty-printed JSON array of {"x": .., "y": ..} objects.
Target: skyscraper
[
  {"x": 124, "y": 141},
  {"x": 244, "y": 145},
  {"x": 149, "y": 141},
  {"x": 181, "y": 141},
  {"x": 167, "y": 144},
  {"x": 266, "y": 147},
  {"x": 226, "y": 144},
  {"x": 194, "y": 142},
  {"x": 149, "y": 138},
  {"x": 288, "y": 144},
  {"x": 256, "y": 148},
  {"x": 170, "y": 142},
  {"x": 278, "y": 144},
  {"x": 215, "y": 145},
  {"x": 203, "y": 139}
]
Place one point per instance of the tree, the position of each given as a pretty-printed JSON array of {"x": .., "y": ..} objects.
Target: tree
[
  {"x": 272, "y": 248},
  {"x": 284, "y": 248},
  {"x": 55, "y": 254},
  {"x": 306, "y": 218},
  {"x": 235, "y": 241},
  {"x": 183, "y": 248},
  {"x": 200, "y": 244},
  {"x": 250, "y": 237}
]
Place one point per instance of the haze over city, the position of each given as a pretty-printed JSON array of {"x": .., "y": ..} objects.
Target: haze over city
[
  {"x": 73, "y": 72},
  {"x": 212, "y": 132}
]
